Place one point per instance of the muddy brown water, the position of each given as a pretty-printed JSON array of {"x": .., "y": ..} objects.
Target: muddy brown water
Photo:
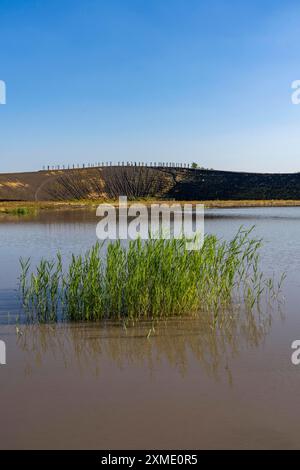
[{"x": 176, "y": 384}]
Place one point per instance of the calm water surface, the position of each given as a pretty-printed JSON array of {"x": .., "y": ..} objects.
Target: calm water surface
[{"x": 175, "y": 384}]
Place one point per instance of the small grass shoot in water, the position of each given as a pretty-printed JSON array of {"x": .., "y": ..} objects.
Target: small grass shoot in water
[
  {"x": 18, "y": 211},
  {"x": 154, "y": 279}
]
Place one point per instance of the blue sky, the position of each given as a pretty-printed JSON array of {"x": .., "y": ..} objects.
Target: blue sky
[{"x": 159, "y": 80}]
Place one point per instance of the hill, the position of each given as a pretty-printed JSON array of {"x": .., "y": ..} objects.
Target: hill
[{"x": 140, "y": 181}]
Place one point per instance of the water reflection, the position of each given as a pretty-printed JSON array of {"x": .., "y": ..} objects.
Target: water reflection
[{"x": 178, "y": 342}]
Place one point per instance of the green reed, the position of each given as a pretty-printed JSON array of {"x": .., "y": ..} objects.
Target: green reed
[
  {"x": 19, "y": 211},
  {"x": 156, "y": 278}
]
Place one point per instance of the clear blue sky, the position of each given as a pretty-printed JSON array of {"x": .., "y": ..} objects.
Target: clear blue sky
[{"x": 157, "y": 80}]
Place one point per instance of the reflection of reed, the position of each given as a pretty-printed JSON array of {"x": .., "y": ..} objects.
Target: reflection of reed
[{"x": 177, "y": 342}]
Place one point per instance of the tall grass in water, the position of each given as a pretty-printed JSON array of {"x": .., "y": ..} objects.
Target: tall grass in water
[
  {"x": 19, "y": 211},
  {"x": 151, "y": 279}
]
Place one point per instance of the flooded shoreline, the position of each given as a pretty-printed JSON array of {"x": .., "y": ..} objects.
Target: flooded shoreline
[{"x": 167, "y": 384}]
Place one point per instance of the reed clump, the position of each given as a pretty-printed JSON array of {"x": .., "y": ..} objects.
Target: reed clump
[
  {"x": 18, "y": 211},
  {"x": 156, "y": 278}
]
